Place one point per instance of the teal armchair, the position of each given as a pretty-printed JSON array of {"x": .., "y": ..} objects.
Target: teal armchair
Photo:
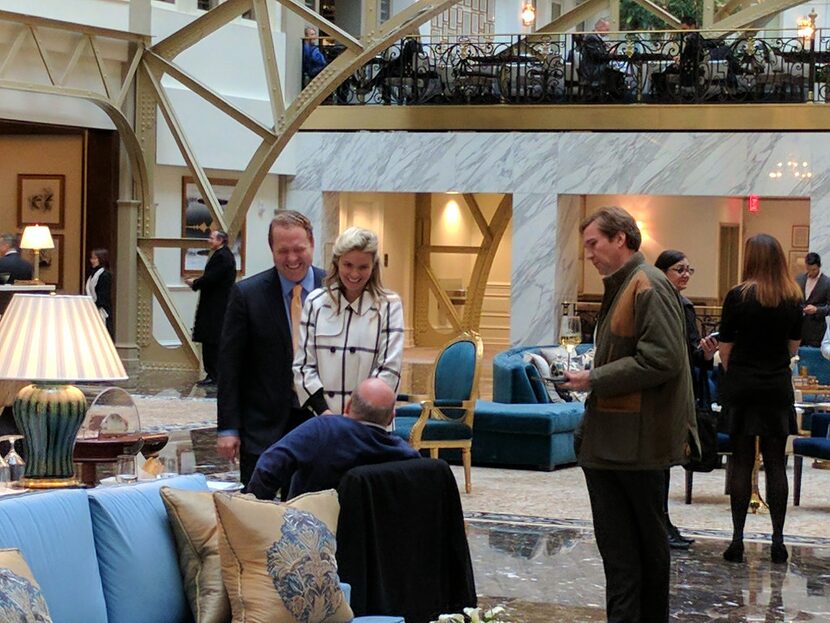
[{"x": 446, "y": 416}]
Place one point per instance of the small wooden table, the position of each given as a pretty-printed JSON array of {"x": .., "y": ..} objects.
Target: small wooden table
[{"x": 91, "y": 452}]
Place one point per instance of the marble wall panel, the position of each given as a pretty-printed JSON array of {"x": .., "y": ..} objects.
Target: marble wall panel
[{"x": 539, "y": 168}]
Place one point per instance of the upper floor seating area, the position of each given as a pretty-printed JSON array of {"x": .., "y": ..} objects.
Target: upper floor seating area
[{"x": 659, "y": 67}]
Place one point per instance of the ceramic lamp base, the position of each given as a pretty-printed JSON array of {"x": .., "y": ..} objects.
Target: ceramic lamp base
[{"x": 49, "y": 417}]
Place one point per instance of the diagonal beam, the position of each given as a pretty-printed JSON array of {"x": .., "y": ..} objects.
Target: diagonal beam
[
  {"x": 313, "y": 18},
  {"x": 128, "y": 79},
  {"x": 571, "y": 18},
  {"x": 729, "y": 8},
  {"x": 472, "y": 205},
  {"x": 200, "y": 177},
  {"x": 14, "y": 49},
  {"x": 168, "y": 307},
  {"x": 269, "y": 59},
  {"x": 41, "y": 50},
  {"x": 73, "y": 60},
  {"x": 200, "y": 28},
  {"x": 162, "y": 65},
  {"x": 96, "y": 52},
  {"x": 658, "y": 11},
  {"x": 314, "y": 93},
  {"x": 440, "y": 295},
  {"x": 749, "y": 16}
]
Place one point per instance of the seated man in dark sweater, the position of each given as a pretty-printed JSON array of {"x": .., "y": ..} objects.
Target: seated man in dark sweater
[{"x": 316, "y": 454}]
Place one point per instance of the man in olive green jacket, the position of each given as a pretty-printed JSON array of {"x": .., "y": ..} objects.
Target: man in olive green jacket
[{"x": 639, "y": 416}]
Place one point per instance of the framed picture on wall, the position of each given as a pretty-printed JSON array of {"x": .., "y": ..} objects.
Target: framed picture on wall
[
  {"x": 797, "y": 263},
  {"x": 40, "y": 199},
  {"x": 801, "y": 236},
  {"x": 198, "y": 223},
  {"x": 51, "y": 262}
]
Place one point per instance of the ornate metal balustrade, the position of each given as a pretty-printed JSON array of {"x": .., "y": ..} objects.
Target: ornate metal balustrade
[
  {"x": 708, "y": 317},
  {"x": 583, "y": 68}
]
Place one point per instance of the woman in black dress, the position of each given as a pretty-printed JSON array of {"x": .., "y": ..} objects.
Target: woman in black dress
[
  {"x": 701, "y": 351},
  {"x": 759, "y": 333},
  {"x": 99, "y": 285}
]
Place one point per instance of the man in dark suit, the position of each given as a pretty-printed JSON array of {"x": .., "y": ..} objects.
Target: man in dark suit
[
  {"x": 11, "y": 261},
  {"x": 214, "y": 287},
  {"x": 256, "y": 404},
  {"x": 816, "y": 288}
]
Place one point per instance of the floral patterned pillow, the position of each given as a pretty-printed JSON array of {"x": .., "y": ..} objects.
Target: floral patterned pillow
[
  {"x": 278, "y": 561},
  {"x": 20, "y": 598}
]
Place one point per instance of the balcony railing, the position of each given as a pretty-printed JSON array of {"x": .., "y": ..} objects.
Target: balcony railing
[{"x": 683, "y": 67}]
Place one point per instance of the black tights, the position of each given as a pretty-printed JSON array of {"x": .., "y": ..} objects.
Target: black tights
[{"x": 740, "y": 482}]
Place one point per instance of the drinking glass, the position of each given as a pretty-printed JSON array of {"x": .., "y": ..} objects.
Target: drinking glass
[
  {"x": 5, "y": 473},
  {"x": 125, "y": 469},
  {"x": 17, "y": 467},
  {"x": 169, "y": 467},
  {"x": 570, "y": 334}
]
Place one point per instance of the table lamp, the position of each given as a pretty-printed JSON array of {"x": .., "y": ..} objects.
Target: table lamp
[
  {"x": 52, "y": 341},
  {"x": 36, "y": 237}
]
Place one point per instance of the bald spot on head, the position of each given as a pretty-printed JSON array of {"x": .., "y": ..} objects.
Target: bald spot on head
[{"x": 372, "y": 401}]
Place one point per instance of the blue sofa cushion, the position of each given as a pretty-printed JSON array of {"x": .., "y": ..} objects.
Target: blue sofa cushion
[
  {"x": 53, "y": 531},
  {"x": 814, "y": 447},
  {"x": 434, "y": 430},
  {"x": 528, "y": 419},
  {"x": 137, "y": 552}
]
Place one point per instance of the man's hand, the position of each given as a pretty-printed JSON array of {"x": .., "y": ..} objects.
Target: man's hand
[
  {"x": 709, "y": 346},
  {"x": 809, "y": 310},
  {"x": 579, "y": 381},
  {"x": 189, "y": 281},
  {"x": 228, "y": 447}
]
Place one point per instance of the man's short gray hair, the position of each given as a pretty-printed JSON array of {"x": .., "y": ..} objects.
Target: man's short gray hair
[
  {"x": 368, "y": 412},
  {"x": 9, "y": 239}
]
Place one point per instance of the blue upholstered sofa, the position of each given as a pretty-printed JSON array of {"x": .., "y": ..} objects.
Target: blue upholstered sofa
[
  {"x": 520, "y": 426},
  {"x": 104, "y": 555}
]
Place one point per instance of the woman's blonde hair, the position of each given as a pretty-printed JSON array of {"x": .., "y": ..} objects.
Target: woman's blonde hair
[
  {"x": 766, "y": 273},
  {"x": 356, "y": 239}
]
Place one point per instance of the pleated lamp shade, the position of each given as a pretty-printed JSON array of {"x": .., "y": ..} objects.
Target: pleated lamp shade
[{"x": 56, "y": 338}]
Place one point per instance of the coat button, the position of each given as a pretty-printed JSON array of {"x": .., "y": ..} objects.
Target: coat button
[
  {"x": 333, "y": 349},
  {"x": 331, "y": 394},
  {"x": 352, "y": 350}
]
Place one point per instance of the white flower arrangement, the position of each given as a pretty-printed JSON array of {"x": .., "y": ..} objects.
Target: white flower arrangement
[{"x": 474, "y": 615}]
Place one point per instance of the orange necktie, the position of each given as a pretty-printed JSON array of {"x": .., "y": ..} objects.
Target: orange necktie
[{"x": 296, "y": 312}]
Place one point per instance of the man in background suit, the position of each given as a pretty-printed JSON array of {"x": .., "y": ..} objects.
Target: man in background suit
[
  {"x": 11, "y": 261},
  {"x": 214, "y": 287},
  {"x": 816, "y": 288},
  {"x": 256, "y": 402}
]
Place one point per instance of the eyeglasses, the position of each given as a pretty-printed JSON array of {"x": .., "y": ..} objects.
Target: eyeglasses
[{"x": 683, "y": 269}]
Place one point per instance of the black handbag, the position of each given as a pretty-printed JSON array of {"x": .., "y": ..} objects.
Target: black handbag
[{"x": 706, "y": 459}]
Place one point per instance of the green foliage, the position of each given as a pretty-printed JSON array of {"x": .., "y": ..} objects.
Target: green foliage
[{"x": 635, "y": 17}]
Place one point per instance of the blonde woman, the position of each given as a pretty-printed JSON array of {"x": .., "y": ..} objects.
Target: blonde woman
[{"x": 351, "y": 328}]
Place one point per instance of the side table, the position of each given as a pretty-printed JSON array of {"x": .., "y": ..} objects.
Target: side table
[{"x": 91, "y": 452}]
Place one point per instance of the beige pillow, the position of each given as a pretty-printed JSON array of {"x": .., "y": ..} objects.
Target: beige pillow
[
  {"x": 22, "y": 600},
  {"x": 193, "y": 518},
  {"x": 192, "y": 515},
  {"x": 278, "y": 560}
]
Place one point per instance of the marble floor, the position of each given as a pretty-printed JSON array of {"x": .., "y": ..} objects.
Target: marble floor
[{"x": 530, "y": 532}]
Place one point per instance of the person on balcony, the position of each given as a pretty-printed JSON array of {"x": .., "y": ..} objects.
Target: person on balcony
[
  {"x": 597, "y": 74},
  {"x": 815, "y": 286},
  {"x": 313, "y": 59}
]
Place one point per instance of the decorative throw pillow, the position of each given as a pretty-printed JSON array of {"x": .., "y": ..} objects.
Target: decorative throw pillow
[
  {"x": 545, "y": 373},
  {"x": 20, "y": 598},
  {"x": 278, "y": 560},
  {"x": 192, "y": 515}
]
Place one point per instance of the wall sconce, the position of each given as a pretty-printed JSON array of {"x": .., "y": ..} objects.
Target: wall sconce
[
  {"x": 36, "y": 237},
  {"x": 528, "y": 14},
  {"x": 807, "y": 25}
]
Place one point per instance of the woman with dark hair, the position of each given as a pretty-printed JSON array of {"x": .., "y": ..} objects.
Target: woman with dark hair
[
  {"x": 351, "y": 328},
  {"x": 676, "y": 266},
  {"x": 759, "y": 333},
  {"x": 99, "y": 285}
]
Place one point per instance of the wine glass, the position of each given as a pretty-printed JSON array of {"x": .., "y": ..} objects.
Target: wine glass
[
  {"x": 570, "y": 334},
  {"x": 17, "y": 466}
]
